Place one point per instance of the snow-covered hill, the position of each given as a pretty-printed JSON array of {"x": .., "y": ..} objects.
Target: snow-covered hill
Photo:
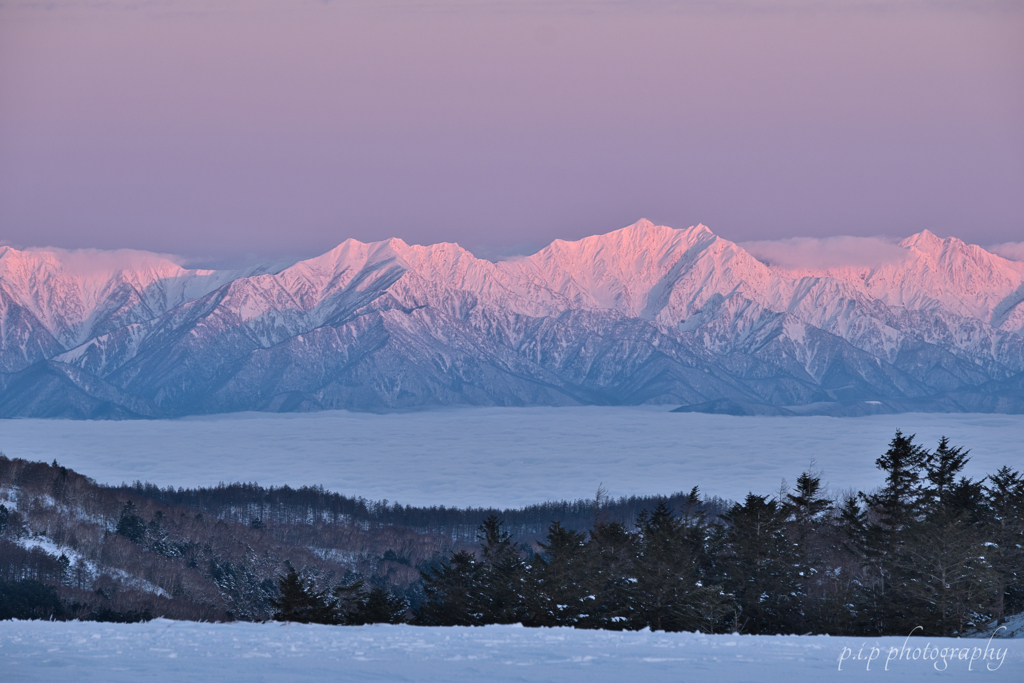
[{"x": 645, "y": 314}]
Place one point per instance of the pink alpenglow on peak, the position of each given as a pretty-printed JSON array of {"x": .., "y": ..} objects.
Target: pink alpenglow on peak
[{"x": 644, "y": 314}]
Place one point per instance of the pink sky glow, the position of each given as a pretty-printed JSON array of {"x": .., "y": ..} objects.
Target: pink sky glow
[{"x": 219, "y": 128}]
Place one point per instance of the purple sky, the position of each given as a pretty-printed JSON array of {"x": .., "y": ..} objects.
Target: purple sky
[{"x": 218, "y": 128}]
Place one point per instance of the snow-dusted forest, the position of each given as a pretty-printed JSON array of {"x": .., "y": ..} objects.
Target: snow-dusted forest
[{"x": 928, "y": 547}]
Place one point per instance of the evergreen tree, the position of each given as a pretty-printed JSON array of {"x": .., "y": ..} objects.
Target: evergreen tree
[
  {"x": 838, "y": 591},
  {"x": 892, "y": 510},
  {"x": 502, "y": 585},
  {"x": 760, "y": 567},
  {"x": 380, "y": 606},
  {"x": 708, "y": 606},
  {"x": 665, "y": 572},
  {"x": 941, "y": 578},
  {"x": 300, "y": 601},
  {"x": 559, "y": 594},
  {"x": 811, "y": 540},
  {"x": 807, "y": 503},
  {"x": 943, "y": 496},
  {"x": 451, "y": 592},
  {"x": 131, "y": 525},
  {"x": 609, "y": 578},
  {"x": 854, "y": 522},
  {"x": 348, "y": 603},
  {"x": 897, "y": 501},
  {"x": 1005, "y": 529}
]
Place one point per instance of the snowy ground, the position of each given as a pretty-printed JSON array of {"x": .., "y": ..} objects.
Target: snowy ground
[
  {"x": 502, "y": 456},
  {"x": 1013, "y": 627},
  {"x": 164, "y": 650}
]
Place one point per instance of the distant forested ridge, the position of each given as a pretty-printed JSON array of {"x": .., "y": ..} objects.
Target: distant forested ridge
[
  {"x": 241, "y": 502},
  {"x": 929, "y": 547}
]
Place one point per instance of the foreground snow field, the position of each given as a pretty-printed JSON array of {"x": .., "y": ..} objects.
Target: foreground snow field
[
  {"x": 502, "y": 456},
  {"x": 165, "y": 650}
]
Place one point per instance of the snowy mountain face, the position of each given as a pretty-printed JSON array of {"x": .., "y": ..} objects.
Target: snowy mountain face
[{"x": 646, "y": 314}]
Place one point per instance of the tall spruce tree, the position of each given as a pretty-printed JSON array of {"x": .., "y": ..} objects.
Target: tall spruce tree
[
  {"x": 665, "y": 571},
  {"x": 300, "y": 601},
  {"x": 503, "y": 581},
  {"x": 891, "y": 511},
  {"x": 130, "y": 524},
  {"x": 451, "y": 590},
  {"x": 759, "y": 565},
  {"x": 1005, "y": 528},
  {"x": 559, "y": 591},
  {"x": 807, "y": 503},
  {"x": 609, "y": 578},
  {"x": 943, "y": 495},
  {"x": 807, "y": 509},
  {"x": 898, "y": 500},
  {"x": 942, "y": 467}
]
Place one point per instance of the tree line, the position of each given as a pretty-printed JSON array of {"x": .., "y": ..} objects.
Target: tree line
[
  {"x": 249, "y": 503},
  {"x": 929, "y": 547}
]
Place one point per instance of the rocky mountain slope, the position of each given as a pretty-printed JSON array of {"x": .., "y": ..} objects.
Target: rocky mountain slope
[{"x": 645, "y": 314}]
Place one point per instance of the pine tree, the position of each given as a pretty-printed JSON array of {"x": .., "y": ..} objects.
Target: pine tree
[
  {"x": 610, "y": 602},
  {"x": 709, "y": 605},
  {"x": 348, "y": 603},
  {"x": 892, "y": 512},
  {"x": 665, "y": 571},
  {"x": 897, "y": 501},
  {"x": 942, "y": 579},
  {"x": 943, "y": 496},
  {"x": 502, "y": 584},
  {"x": 300, "y": 601},
  {"x": 807, "y": 503},
  {"x": 760, "y": 567},
  {"x": 451, "y": 592},
  {"x": 558, "y": 597},
  {"x": 130, "y": 525},
  {"x": 854, "y": 523},
  {"x": 1005, "y": 527},
  {"x": 806, "y": 511},
  {"x": 380, "y": 607}
]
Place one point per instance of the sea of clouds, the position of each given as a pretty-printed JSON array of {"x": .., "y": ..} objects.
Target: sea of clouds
[{"x": 503, "y": 456}]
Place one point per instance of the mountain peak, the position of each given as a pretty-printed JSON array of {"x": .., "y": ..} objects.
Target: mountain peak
[
  {"x": 630, "y": 316},
  {"x": 925, "y": 241}
]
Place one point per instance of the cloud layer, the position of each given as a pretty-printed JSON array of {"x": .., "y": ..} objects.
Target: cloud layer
[
  {"x": 1009, "y": 250},
  {"x": 501, "y": 456},
  {"x": 101, "y": 262},
  {"x": 822, "y": 253}
]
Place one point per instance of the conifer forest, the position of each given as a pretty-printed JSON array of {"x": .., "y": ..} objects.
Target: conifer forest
[{"x": 928, "y": 547}]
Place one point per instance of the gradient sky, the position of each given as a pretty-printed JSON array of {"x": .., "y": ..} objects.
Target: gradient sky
[{"x": 219, "y": 128}]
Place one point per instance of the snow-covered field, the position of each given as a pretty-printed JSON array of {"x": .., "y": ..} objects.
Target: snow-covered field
[
  {"x": 164, "y": 650},
  {"x": 503, "y": 456}
]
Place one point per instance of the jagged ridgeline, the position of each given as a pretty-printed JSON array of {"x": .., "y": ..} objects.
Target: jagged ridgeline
[
  {"x": 645, "y": 314},
  {"x": 929, "y": 548}
]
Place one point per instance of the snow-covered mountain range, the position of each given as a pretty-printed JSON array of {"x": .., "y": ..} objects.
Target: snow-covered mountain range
[{"x": 645, "y": 314}]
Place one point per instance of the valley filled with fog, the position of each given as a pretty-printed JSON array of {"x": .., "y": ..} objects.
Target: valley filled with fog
[{"x": 503, "y": 457}]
